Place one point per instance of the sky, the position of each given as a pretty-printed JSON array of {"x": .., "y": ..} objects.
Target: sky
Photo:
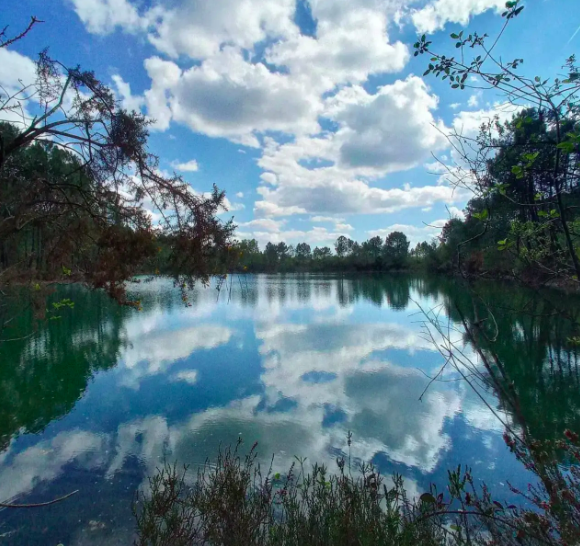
[{"x": 312, "y": 115}]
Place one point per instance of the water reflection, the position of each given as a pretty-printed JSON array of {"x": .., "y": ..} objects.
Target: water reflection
[{"x": 292, "y": 362}]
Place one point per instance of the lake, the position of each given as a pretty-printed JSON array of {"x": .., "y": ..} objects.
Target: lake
[{"x": 101, "y": 395}]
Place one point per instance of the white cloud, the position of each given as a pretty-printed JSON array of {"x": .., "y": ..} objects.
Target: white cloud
[
  {"x": 343, "y": 227},
  {"x": 190, "y": 166},
  {"x": 164, "y": 75},
  {"x": 473, "y": 101},
  {"x": 345, "y": 52},
  {"x": 435, "y": 15},
  {"x": 16, "y": 72},
  {"x": 187, "y": 376},
  {"x": 389, "y": 131},
  {"x": 129, "y": 101},
  {"x": 468, "y": 123},
  {"x": 197, "y": 28},
  {"x": 263, "y": 224},
  {"x": 104, "y": 16},
  {"x": 226, "y": 96},
  {"x": 325, "y": 219},
  {"x": 316, "y": 235},
  {"x": 240, "y": 194},
  {"x": 415, "y": 234},
  {"x": 456, "y": 213},
  {"x": 229, "y": 206},
  {"x": 155, "y": 349},
  {"x": 47, "y": 459}
]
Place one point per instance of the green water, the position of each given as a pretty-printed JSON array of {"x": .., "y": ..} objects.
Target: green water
[{"x": 97, "y": 398}]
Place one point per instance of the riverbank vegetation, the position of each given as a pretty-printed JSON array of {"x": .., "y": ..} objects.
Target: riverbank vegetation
[{"x": 232, "y": 501}]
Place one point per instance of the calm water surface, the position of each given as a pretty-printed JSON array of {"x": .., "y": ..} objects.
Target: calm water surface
[{"x": 99, "y": 397}]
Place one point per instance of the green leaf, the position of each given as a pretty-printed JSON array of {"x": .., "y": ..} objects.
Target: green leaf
[
  {"x": 532, "y": 157},
  {"x": 455, "y": 86},
  {"x": 277, "y": 476},
  {"x": 455, "y": 36},
  {"x": 483, "y": 215},
  {"x": 567, "y": 147},
  {"x": 427, "y": 497},
  {"x": 458, "y": 45}
]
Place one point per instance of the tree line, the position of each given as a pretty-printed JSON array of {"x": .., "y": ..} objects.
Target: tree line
[
  {"x": 523, "y": 220},
  {"x": 376, "y": 254}
]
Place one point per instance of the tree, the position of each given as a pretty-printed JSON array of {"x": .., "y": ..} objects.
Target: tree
[
  {"x": 271, "y": 256},
  {"x": 321, "y": 253},
  {"x": 532, "y": 161},
  {"x": 303, "y": 251},
  {"x": 341, "y": 246},
  {"x": 396, "y": 249},
  {"x": 76, "y": 175}
]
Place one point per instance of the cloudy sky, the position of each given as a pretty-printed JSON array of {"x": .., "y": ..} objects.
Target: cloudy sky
[{"x": 312, "y": 115}]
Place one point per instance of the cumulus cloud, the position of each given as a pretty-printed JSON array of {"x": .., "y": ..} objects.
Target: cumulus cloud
[
  {"x": 388, "y": 131},
  {"x": 104, "y": 16},
  {"x": 164, "y": 76},
  {"x": 129, "y": 101},
  {"x": 345, "y": 52},
  {"x": 243, "y": 70},
  {"x": 226, "y": 96},
  {"x": 468, "y": 123},
  {"x": 154, "y": 351},
  {"x": 316, "y": 235},
  {"x": 197, "y": 28},
  {"x": 16, "y": 72},
  {"x": 437, "y": 13},
  {"x": 263, "y": 224},
  {"x": 415, "y": 234},
  {"x": 391, "y": 130},
  {"x": 240, "y": 194},
  {"x": 190, "y": 166}
]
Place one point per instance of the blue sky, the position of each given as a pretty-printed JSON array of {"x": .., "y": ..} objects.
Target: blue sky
[{"x": 312, "y": 115}]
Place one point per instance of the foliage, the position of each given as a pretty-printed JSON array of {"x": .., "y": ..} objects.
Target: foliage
[
  {"x": 372, "y": 255},
  {"x": 82, "y": 196},
  {"x": 232, "y": 502},
  {"x": 524, "y": 172}
]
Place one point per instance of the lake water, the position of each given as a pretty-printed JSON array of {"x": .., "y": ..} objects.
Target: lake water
[{"x": 101, "y": 395}]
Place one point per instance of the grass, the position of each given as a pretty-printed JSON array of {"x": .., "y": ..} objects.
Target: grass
[{"x": 232, "y": 502}]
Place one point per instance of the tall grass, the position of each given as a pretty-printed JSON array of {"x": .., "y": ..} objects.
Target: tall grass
[{"x": 232, "y": 502}]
